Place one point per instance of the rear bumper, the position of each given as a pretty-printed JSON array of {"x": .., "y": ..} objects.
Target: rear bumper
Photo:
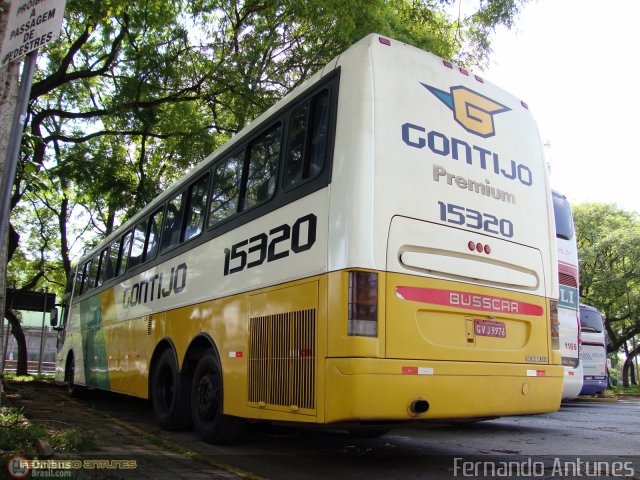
[
  {"x": 366, "y": 389},
  {"x": 590, "y": 386}
]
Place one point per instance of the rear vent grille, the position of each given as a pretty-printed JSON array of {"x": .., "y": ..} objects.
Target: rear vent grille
[
  {"x": 282, "y": 361},
  {"x": 568, "y": 280}
]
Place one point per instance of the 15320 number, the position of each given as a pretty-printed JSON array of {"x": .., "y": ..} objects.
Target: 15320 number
[{"x": 278, "y": 243}]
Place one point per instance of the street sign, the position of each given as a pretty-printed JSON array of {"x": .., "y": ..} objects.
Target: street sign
[{"x": 31, "y": 24}]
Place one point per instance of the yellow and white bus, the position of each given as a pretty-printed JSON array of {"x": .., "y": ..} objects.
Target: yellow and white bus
[{"x": 377, "y": 248}]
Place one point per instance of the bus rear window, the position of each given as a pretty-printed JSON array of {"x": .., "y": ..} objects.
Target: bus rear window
[
  {"x": 591, "y": 320},
  {"x": 562, "y": 214}
]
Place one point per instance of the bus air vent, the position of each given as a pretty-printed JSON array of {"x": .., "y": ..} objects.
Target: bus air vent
[{"x": 282, "y": 361}]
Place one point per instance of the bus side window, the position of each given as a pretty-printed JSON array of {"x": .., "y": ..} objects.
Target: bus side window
[
  {"x": 173, "y": 222},
  {"x": 104, "y": 260},
  {"x": 226, "y": 189},
  {"x": 307, "y": 141},
  {"x": 86, "y": 271},
  {"x": 263, "y": 164},
  {"x": 123, "y": 255},
  {"x": 196, "y": 210},
  {"x": 137, "y": 247},
  {"x": 77, "y": 282},
  {"x": 155, "y": 224},
  {"x": 112, "y": 264}
]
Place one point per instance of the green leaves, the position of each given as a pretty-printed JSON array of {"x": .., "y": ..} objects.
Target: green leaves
[
  {"x": 609, "y": 253},
  {"x": 133, "y": 94}
]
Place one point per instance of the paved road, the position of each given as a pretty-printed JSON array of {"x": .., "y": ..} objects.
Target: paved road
[{"x": 592, "y": 431}]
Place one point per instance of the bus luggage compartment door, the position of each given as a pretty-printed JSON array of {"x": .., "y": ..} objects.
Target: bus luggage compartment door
[{"x": 447, "y": 301}]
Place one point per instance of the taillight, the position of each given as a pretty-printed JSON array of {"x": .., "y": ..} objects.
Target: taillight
[
  {"x": 363, "y": 304},
  {"x": 555, "y": 325}
]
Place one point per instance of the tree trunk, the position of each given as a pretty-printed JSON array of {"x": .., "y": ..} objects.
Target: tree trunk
[
  {"x": 18, "y": 334},
  {"x": 628, "y": 369}
]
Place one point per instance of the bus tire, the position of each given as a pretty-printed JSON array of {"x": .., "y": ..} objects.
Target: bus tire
[
  {"x": 211, "y": 424},
  {"x": 73, "y": 390},
  {"x": 170, "y": 393}
]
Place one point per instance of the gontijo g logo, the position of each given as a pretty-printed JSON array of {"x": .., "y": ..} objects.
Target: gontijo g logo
[{"x": 474, "y": 112}]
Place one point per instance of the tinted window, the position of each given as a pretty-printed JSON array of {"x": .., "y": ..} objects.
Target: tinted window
[
  {"x": 226, "y": 189},
  {"x": 137, "y": 247},
  {"x": 155, "y": 225},
  {"x": 86, "y": 273},
  {"x": 104, "y": 261},
  {"x": 562, "y": 214},
  {"x": 263, "y": 165},
  {"x": 173, "y": 222},
  {"x": 196, "y": 210},
  {"x": 590, "y": 320},
  {"x": 124, "y": 253},
  {"x": 112, "y": 263},
  {"x": 307, "y": 141},
  {"x": 77, "y": 287}
]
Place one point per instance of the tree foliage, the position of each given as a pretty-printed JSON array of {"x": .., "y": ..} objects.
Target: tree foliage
[
  {"x": 133, "y": 94},
  {"x": 609, "y": 252}
]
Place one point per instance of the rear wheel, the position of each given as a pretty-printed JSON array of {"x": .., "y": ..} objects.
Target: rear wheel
[
  {"x": 210, "y": 422},
  {"x": 170, "y": 393}
]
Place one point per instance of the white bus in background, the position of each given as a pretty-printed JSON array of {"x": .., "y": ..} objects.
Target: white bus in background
[
  {"x": 594, "y": 351},
  {"x": 569, "y": 299}
]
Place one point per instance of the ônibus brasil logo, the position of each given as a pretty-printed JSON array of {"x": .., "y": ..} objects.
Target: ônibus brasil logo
[
  {"x": 18, "y": 467},
  {"x": 474, "y": 112}
]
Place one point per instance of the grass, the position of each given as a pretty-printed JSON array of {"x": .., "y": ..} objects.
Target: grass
[
  {"x": 618, "y": 389},
  {"x": 12, "y": 377},
  {"x": 18, "y": 434}
]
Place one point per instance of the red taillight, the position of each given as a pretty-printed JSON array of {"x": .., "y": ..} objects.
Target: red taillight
[
  {"x": 363, "y": 304},
  {"x": 384, "y": 41},
  {"x": 555, "y": 325}
]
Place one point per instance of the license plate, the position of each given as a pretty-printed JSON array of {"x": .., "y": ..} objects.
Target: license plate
[{"x": 489, "y": 328}]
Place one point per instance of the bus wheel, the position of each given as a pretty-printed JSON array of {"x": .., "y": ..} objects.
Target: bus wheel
[
  {"x": 212, "y": 425},
  {"x": 170, "y": 394},
  {"x": 73, "y": 390}
]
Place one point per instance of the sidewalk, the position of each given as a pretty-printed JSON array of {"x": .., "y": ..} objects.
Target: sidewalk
[{"x": 122, "y": 451}]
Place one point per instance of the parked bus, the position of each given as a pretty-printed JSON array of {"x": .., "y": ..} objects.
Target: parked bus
[
  {"x": 568, "y": 272},
  {"x": 377, "y": 248},
  {"x": 594, "y": 351}
]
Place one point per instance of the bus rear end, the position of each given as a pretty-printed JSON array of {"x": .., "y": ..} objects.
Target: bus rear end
[
  {"x": 452, "y": 309},
  {"x": 594, "y": 351}
]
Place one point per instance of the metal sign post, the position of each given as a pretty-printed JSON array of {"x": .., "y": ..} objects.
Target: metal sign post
[
  {"x": 15, "y": 139},
  {"x": 31, "y": 25}
]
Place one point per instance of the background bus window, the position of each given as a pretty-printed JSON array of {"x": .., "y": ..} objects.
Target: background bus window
[
  {"x": 124, "y": 253},
  {"x": 197, "y": 205},
  {"x": 263, "y": 166},
  {"x": 591, "y": 320},
  {"x": 226, "y": 189},
  {"x": 155, "y": 224},
  {"x": 137, "y": 247},
  {"x": 173, "y": 222},
  {"x": 308, "y": 140},
  {"x": 562, "y": 214}
]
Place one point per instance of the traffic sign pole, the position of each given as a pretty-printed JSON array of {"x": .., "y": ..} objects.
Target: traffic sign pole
[{"x": 15, "y": 139}]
